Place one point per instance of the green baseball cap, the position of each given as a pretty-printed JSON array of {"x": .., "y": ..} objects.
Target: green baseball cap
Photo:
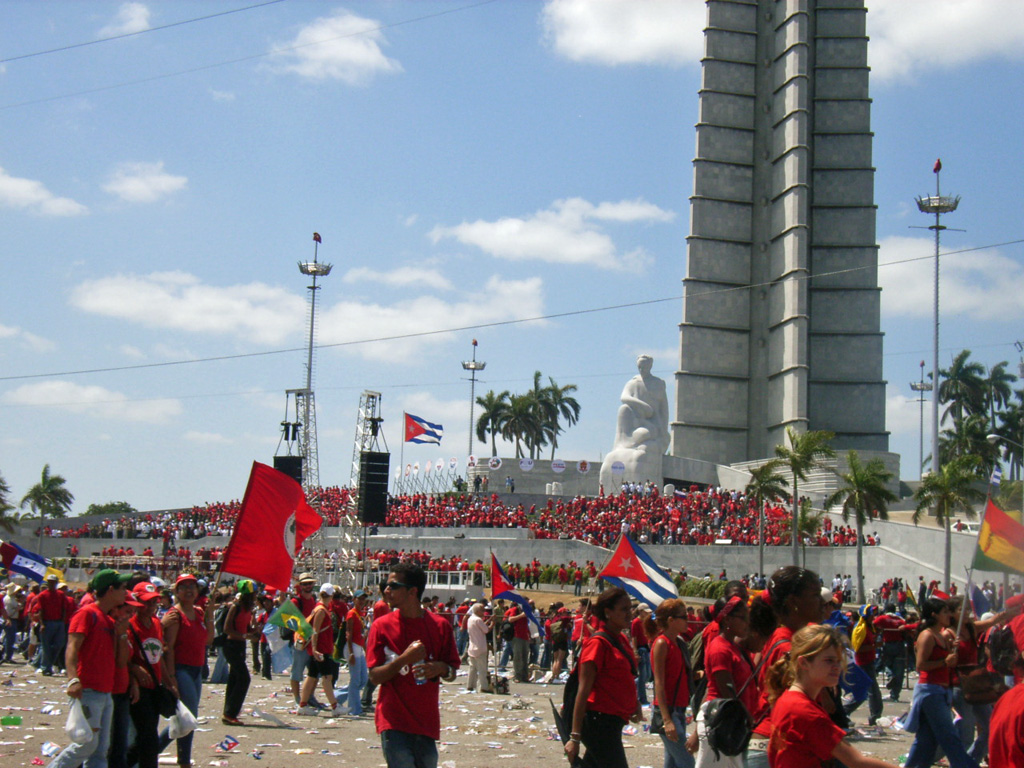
[{"x": 107, "y": 578}]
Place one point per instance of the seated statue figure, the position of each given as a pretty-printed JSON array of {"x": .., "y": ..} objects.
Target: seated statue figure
[{"x": 641, "y": 430}]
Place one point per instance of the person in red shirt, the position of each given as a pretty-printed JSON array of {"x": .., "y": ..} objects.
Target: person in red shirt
[
  {"x": 52, "y": 614},
  {"x": 96, "y": 646},
  {"x": 1006, "y": 740},
  {"x": 803, "y": 735},
  {"x": 606, "y": 699},
  {"x": 320, "y": 664},
  {"x": 642, "y": 651},
  {"x": 671, "y": 680},
  {"x": 864, "y": 657},
  {"x": 238, "y": 628},
  {"x": 355, "y": 650},
  {"x": 305, "y": 601},
  {"x": 379, "y": 610},
  {"x": 520, "y": 643},
  {"x": 894, "y": 644},
  {"x": 146, "y": 666},
  {"x": 407, "y": 652}
]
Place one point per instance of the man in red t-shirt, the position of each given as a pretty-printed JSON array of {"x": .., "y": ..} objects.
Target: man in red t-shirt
[
  {"x": 97, "y": 646},
  {"x": 51, "y": 610},
  {"x": 520, "y": 643},
  {"x": 305, "y": 601},
  {"x": 408, "y": 651}
]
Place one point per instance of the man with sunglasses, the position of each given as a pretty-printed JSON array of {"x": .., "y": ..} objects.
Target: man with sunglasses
[
  {"x": 409, "y": 650},
  {"x": 96, "y": 644}
]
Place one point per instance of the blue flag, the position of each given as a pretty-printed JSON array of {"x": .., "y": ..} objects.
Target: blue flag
[
  {"x": 419, "y": 430},
  {"x": 633, "y": 569},
  {"x": 979, "y": 602},
  {"x": 30, "y": 565}
]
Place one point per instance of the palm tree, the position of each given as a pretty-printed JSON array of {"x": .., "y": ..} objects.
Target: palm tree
[
  {"x": 563, "y": 406},
  {"x": 997, "y": 389},
  {"x": 949, "y": 491},
  {"x": 48, "y": 497},
  {"x": 864, "y": 493},
  {"x": 962, "y": 385},
  {"x": 544, "y": 413},
  {"x": 1011, "y": 425},
  {"x": 766, "y": 484},
  {"x": 492, "y": 418},
  {"x": 809, "y": 525},
  {"x": 967, "y": 437},
  {"x": 521, "y": 423},
  {"x": 805, "y": 452},
  {"x": 7, "y": 520}
]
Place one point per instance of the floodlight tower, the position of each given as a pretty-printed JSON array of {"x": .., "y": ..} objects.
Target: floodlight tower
[
  {"x": 305, "y": 401},
  {"x": 472, "y": 366},
  {"x": 936, "y": 205}
]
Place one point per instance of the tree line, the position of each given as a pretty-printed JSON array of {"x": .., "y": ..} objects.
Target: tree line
[{"x": 531, "y": 420}]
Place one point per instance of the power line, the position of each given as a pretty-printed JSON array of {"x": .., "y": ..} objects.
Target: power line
[
  {"x": 240, "y": 60},
  {"x": 498, "y": 323},
  {"x": 122, "y": 36}
]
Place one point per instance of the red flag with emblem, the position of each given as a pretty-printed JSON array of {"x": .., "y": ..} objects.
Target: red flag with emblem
[
  {"x": 274, "y": 521},
  {"x": 937, "y": 167}
]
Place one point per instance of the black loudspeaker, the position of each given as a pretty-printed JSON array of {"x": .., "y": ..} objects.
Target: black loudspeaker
[
  {"x": 291, "y": 466},
  {"x": 373, "y": 486}
]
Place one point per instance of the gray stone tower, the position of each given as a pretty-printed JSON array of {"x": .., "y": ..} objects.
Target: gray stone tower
[{"x": 781, "y": 299}]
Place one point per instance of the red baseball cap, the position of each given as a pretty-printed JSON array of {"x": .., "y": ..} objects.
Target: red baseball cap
[
  {"x": 185, "y": 577},
  {"x": 144, "y": 592}
]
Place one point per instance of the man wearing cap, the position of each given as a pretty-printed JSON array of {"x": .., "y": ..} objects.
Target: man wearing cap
[
  {"x": 408, "y": 651},
  {"x": 320, "y": 663},
  {"x": 51, "y": 613},
  {"x": 305, "y": 601},
  {"x": 94, "y": 645}
]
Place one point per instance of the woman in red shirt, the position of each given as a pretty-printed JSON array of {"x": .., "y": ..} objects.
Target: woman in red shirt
[
  {"x": 606, "y": 699},
  {"x": 671, "y": 681},
  {"x": 803, "y": 735},
  {"x": 146, "y": 667},
  {"x": 321, "y": 664},
  {"x": 238, "y": 628}
]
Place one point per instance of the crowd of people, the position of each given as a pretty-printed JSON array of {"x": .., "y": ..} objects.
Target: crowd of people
[{"x": 695, "y": 516}]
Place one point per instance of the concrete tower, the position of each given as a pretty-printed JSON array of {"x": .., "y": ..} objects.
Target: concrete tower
[{"x": 781, "y": 300}]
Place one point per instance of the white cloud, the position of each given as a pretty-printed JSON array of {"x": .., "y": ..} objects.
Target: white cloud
[
  {"x": 400, "y": 278},
  {"x": 903, "y": 413},
  {"x": 626, "y": 31},
  {"x": 206, "y": 438},
  {"x": 94, "y": 401},
  {"x": 256, "y": 311},
  {"x": 980, "y": 285},
  {"x": 26, "y": 338},
  {"x": 130, "y": 351},
  {"x": 131, "y": 17},
  {"x": 909, "y": 36},
  {"x": 562, "y": 234},
  {"x": 143, "y": 182},
  {"x": 221, "y": 95},
  {"x": 351, "y": 320},
  {"x": 30, "y": 195},
  {"x": 342, "y": 47}
]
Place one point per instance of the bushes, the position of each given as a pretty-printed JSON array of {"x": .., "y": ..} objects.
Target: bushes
[{"x": 710, "y": 589}]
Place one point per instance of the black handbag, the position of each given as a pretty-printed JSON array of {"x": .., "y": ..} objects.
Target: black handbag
[{"x": 163, "y": 697}]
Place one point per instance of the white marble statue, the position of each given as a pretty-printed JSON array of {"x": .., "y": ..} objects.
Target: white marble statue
[{"x": 641, "y": 431}]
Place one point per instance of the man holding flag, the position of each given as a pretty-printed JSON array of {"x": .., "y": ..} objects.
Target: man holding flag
[{"x": 519, "y": 615}]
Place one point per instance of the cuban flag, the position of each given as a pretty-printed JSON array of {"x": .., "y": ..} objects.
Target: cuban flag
[
  {"x": 419, "y": 430},
  {"x": 229, "y": 743},
  {"x": 502, "y": 589},
  {"x": 30, "y": 565},
  {"x": 997, "y": 477},
  {"x": 633, "y": 569}
]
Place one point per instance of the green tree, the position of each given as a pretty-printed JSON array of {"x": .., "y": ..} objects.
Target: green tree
[
  {"x": 806, "y": 451},
  {"x": 863, "y": 493},
  {"x": 521, "y": 423},
  {"x": 111, "y": 509},
  {"x": 48, "y": 497},
  {"x": 492, "y": 419},
  {"x": 1011, "y": 429},
  {"x": 766, "y": 483},
  {"x": 998, "y": 389},
  {"x": 545, "y": 417},
  {"x": 968, "y": 437},
  {"x": 962, "y": 387},
  {"x": 949, "y": 491},
  {"x": 8, "y": 517},
  {"x": 565, "y": 408}
]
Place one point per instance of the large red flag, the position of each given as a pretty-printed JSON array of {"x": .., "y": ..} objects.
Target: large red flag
[{"x": 274, "y": 521}]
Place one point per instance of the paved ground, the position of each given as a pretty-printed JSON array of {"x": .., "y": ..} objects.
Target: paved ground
[{"x": 478, "y": 730}]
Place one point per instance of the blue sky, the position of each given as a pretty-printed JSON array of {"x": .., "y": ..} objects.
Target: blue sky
[{"x": 467, "y": 164}]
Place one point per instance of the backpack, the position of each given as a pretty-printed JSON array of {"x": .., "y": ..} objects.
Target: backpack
[
  {"x": 1002, "y": 649},
  {"x": 728, "y": 727},
  {"x": 508, "y": 631},
  {"x": 559, "y": 631},
  {"x": 572, "y": 685}
]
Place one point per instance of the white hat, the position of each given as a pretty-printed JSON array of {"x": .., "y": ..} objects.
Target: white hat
[{"x": 327, "y": 589}]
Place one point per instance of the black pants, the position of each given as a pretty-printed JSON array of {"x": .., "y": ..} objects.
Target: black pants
[
  {"x": 602, "y": 736},
  {"x": 367, "y": 698},
  {"x": 266, "y": 660},
  {"x": 146, "y": 720},
  {"x": 238, "y": 677}
]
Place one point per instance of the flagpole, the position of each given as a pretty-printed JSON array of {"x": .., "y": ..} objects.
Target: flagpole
[
  {"x": 970, "y": 571},
  {"x": 401, "y": 452}
]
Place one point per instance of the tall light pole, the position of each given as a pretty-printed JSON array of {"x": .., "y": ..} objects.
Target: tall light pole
[
  {"x": 305, "y": 401},
  {"x": 921, "y": 387},
  {"x": 936, "y": 205},
  {"x": 472, "y": 366}
]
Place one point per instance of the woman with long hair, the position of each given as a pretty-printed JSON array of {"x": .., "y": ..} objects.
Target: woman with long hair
[
  {"x": 187, "y": 633},
  {"x": 146, "y": 636},
  {"x": 606, "y": 699},
  {"x": 729, "y": 671},
  {"x": 670, "y": 670},
  {"x": 931, "y": 716},
  {"x": 238, "y": 629},
  {"x": 321, "y": 664},
  {"x": 802, "y": 732},
  {"x": 793, "y": 595}
]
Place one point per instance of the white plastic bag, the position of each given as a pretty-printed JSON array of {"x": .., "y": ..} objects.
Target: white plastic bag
[
  {"x": 182, "y": 723},
  {"x": 77, "y": 727}
]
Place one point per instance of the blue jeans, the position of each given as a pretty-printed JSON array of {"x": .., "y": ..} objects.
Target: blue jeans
[
  {"x": 934, "y": 729},
  {"x": 408, "y": 750},
  {"x": 52, "y": 639},
  {"x": 190, "y": 687},
  {"x": 643, "y": 672},
  {"x": 358, "y": 677},
  {"x": 506, "y": 654},
  {"x": 10, "y": 634},
  {"x": 99, "y": 708},
  {"x": 676, "y": 755},
  {"x": 120, "y": 721},
  {"x": 874, "y": 696},
  {"x": 972, "y": 716}
]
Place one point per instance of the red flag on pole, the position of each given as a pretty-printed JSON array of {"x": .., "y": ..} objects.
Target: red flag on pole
[
  {"x": 938, "y": 166},
  {"x": 274, "y": 522}
]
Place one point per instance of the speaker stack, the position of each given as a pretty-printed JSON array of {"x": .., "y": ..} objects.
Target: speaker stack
[
  {"x": 291, "y": 466},
  {"x": 373, "y": 486}
]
